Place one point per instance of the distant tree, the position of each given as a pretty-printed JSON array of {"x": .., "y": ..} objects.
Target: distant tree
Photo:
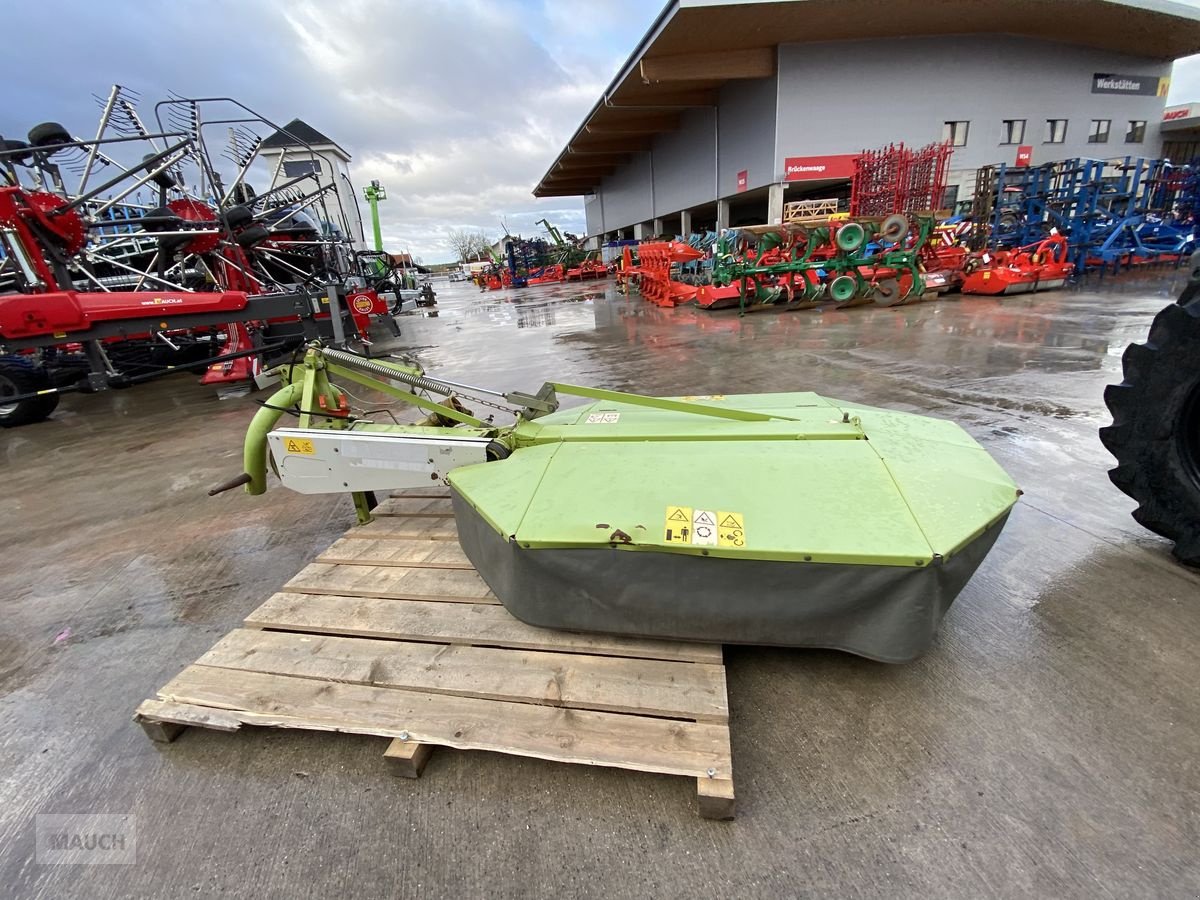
[{"x": 468, "y": 245}]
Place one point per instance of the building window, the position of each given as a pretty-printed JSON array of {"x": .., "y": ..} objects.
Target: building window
[
  {"x": 1099, "y": 131},
  {"x": 955, "y": 133},
  {"x": 1056, "y": 131},
  {"x": 297, "y": 167},
  {"x": 1136, "y": 133},
  {"x": 1012, "y": 131}
]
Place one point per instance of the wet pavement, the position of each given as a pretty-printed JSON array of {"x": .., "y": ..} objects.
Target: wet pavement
[{"x": 1045, "y": 746}]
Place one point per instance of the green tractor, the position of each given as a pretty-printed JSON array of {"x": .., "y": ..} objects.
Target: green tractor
[{"x": 1155, "y": 433}]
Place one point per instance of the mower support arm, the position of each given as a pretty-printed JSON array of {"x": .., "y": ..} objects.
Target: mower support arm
[{"x": 254, "y": 451}]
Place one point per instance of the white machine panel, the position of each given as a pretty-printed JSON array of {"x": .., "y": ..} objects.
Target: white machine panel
[{"x": 323, "y": 461}]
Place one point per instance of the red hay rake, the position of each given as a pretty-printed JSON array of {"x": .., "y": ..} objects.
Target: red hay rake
[{"x": 898, "y": 179}]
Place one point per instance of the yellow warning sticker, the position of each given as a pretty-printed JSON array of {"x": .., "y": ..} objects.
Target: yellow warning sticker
[
  {"x": 303, "y": 446},
  {"x": 731, "y": 529},
  {"x": 692, "y": 398},
  {"x": 678, "y": 527}
]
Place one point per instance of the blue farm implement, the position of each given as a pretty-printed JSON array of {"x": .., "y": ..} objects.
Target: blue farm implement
[{"x": 1113, "y": 214}]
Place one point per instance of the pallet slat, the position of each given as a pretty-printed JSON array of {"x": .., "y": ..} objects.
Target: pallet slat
[
  {"x": 681, "y": 690},
  {"x": 398, "y": 552},
  {"x": 546, "y": 732},
  {"x": 477, "y": 624},
  {"x": 393, "y": 583},
  {"x": 415, "y": 507},
  {"x": 390, "y": 528}
]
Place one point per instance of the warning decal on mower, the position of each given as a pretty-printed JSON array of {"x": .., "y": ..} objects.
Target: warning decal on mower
[
  {"x": 704, "y": 527},
  {"x": 678, "y": 528},
  {"x": 303, "y": 446},
  {"x": 603, "y": 418},
  {"x": 731, "y": 529}
]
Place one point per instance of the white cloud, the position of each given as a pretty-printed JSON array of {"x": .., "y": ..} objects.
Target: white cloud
[{"x": 457, "y": 107}]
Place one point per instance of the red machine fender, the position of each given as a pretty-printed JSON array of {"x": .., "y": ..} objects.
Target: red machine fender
[{"x": 59, "y": 312}]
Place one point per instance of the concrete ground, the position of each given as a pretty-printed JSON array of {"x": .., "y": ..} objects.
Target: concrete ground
[{"x": 1045, "y": 746}]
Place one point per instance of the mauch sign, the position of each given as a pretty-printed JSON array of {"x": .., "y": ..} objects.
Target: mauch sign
[
  {"x": 1024, "y": 155},
  {"x": 1134, "y": 85},
  {"x": 742, "y": 178},
  {"x": 815, "y": 168}
]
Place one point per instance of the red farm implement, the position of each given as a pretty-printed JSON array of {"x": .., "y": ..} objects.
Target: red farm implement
[
  {"x": 1036, "y": 267},
  {"x": 655, "y": 262},
  {"x": 152, "y": 262},
  {"x": 899, "y": 179}
]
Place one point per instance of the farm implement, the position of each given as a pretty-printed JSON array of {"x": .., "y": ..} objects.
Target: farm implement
[
  {"x": 1112, "y": 213},
  {"x": 152, "y": 262},
  {"x": 849, "y": 262},
  {"x": 849, "y": 527},
  {"x": 1042, "y": 266}
]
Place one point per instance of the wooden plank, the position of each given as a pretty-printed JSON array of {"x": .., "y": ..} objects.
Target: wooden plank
[
  {"x": 477, "y": 624},
  {"x": 415, "y": 553},
  {"x": 415, "y": 507},
  {"x": 566, "y": 735},
  {"x": 407, "y": 758},
  {"x": 579, "y": 681},
  {"x": 388, "y": 528},
  {"x": 393, "y": 583},
  {"x": 180, "y": 716},
  {"x": 716, "y": 797}
]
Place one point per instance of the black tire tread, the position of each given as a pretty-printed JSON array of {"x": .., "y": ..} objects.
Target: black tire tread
[
  {"x": 1147, "y": 409},
  {"x": 27, "y": 378}
]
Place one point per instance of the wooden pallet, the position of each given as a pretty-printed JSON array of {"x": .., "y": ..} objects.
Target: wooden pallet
[{"x": 392, "y": 632}]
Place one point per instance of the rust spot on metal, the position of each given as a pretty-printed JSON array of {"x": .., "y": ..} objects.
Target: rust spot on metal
[
  {"x": 620, "y": 536},
  {"x": 603, "y": 525}
]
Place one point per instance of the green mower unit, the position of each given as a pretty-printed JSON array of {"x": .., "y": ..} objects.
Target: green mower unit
[{"x": 786, "y": 519}]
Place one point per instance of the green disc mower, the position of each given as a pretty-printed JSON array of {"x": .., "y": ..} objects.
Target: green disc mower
[{"x": 787, "y": 519}]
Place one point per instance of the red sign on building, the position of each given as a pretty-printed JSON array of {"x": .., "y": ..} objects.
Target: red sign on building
[
  {"x": 1024, "y": 155},
  {"x": 742, "y": 178},
  {"x": 816, "y": 168}
]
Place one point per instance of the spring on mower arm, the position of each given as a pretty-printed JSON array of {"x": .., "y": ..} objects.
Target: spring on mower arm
[{"x": 352, "y": 361}]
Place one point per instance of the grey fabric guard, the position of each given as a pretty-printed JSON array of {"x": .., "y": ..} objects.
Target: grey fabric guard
[{"x": 885, "y": 613}]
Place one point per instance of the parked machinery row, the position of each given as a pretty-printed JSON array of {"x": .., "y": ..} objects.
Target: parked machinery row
[{"x": 129, "y": 255}]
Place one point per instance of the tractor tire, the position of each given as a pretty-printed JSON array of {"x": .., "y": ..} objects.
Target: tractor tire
[
  {"x": 49, "y": 133},
  {"x": 1155, "y": 434},
  {"x": 17, "y": 376}
]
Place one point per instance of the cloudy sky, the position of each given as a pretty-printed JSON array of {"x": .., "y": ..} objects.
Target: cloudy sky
[{"x": 456, "y": 107}]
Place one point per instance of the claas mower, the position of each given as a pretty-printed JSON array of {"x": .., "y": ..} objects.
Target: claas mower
[{"x": 785, "y": 518}]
